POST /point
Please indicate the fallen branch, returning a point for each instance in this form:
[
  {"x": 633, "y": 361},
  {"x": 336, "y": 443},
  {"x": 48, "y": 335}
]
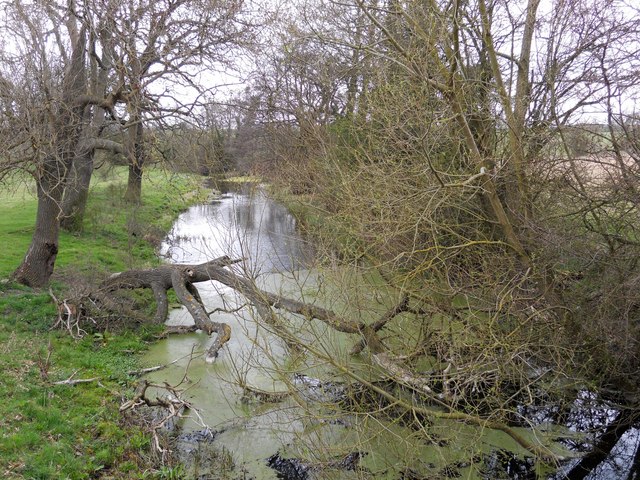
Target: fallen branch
[
  {"x": 181, "y": 278},
  {"x": 70, "y": 381},
  {"x": 402, "y": 375},
  {"x": 402, "y": 306},
  {"x": 143, "y": 371},
  {"x": 69, "y": 316},
  {"x": 450, "y": 413},
  {"x": 172, "y": 402}
]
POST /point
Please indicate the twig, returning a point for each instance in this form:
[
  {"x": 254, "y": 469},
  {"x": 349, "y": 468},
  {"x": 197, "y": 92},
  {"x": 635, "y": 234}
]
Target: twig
[
  {"x": 70, "y": 381},
  {"x": 159, "y": 367},
  {"x": 142, "y": 371},
  {"x": 224, "y": 310},
  {"x": 44, "y": 364},
  {"x": 69, "y": 316}
]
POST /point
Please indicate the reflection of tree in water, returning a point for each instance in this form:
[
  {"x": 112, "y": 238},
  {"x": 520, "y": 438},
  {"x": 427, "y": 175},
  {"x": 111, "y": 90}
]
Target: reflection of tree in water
[
  {"x": 611, "y": 443},
  {"x": 614, "y": 455},
  {"x": 242, "y": 214},
  {"x": 265, "y": 231},
  {"x": 605, "y": 439}
]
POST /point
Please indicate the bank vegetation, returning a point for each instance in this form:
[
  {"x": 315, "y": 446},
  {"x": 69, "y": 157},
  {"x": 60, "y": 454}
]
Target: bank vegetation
[{"x": 478, "y": 162}]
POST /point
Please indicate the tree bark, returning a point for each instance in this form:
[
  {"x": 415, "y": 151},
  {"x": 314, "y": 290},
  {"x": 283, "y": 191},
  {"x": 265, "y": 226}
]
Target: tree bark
[
  {"x": 38, "y": 263},
  {"x": 77, "y": 191},
  {"x": 51, "y": 178},
  {"x": 133, "y": 194},
  {"x": 181, "y": 278}
]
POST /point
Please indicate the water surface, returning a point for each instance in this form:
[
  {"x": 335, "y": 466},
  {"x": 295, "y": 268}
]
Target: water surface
[{"x": 248, "y": 225}]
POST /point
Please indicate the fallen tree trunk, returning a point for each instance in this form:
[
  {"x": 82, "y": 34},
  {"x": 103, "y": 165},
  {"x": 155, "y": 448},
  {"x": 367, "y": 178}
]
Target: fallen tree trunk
[{"x": 182, "y": 278}]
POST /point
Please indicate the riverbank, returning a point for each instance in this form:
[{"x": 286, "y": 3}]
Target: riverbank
[
  {"x": 488, "y": 365},
  {"x": 57, "y": 430}
]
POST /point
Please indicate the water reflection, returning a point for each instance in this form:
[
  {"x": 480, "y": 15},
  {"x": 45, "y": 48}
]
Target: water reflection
[{"x": 245, "y": 224}]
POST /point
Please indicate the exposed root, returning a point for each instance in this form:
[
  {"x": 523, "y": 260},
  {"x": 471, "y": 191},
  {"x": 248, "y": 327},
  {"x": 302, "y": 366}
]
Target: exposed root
[{"x": 69, "y": 316}]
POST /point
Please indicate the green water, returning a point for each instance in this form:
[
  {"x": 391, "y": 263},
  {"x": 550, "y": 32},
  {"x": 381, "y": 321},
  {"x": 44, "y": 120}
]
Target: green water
[
  {"x": 306, "y": 424},
  {"x": 252, "y": 431}
]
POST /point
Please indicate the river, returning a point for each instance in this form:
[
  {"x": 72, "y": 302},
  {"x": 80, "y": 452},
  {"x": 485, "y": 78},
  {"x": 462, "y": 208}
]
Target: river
[{"x": 236, "y": 435}]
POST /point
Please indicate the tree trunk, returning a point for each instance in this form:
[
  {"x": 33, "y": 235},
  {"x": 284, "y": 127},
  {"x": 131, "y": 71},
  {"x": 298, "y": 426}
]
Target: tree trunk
[
  {"x": 136, "y": 161},
  {"x": 182, "y": 277},
  {"x": 77, "y": 191},
  {"x": 38, "y": 264},
  {"x": 133, "y": 194}
]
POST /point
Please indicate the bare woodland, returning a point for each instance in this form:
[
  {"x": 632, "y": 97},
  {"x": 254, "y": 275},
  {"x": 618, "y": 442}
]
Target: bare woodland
[
  {"x": 79, "y": 78},
  {"x": 483, "y": 158}
]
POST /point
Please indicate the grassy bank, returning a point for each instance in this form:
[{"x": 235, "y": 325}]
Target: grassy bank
[{"x": 75, "y": 431}]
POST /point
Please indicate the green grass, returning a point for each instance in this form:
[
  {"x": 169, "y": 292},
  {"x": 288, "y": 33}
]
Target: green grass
[
  {"x": 50, "y": 431},
  {"x": 243, "y": 179},
  {"x": 115, "y": 236},
  {"x": 18, "y": 209}
]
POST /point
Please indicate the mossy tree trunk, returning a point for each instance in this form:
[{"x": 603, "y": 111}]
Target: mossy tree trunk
[{"x": 77, "y": 191}]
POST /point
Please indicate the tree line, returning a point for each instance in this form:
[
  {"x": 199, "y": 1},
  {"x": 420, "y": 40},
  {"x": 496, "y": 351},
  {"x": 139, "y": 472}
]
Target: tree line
[{"x": 482, "y": 156}]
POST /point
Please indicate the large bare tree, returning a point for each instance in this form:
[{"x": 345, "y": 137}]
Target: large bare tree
[
  {"x": 44, "y": 77},
  {"x": 77, "y": 70},
  {"x": 161, "y": 50}
]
